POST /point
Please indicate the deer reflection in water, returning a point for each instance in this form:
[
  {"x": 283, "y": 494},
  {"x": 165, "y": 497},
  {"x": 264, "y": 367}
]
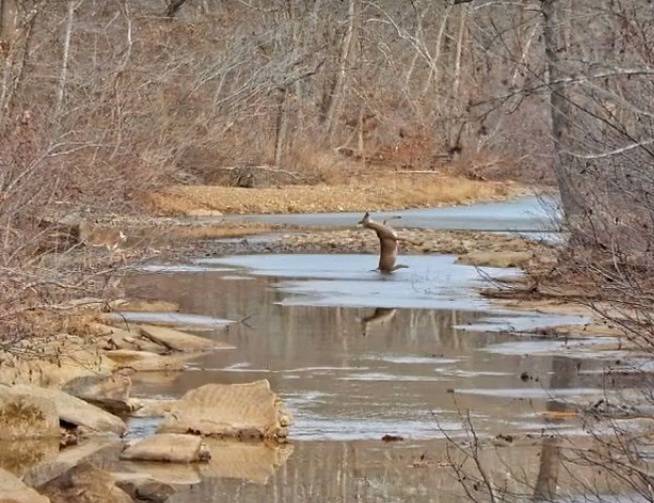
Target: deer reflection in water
[{"x": 380, "y": 316}]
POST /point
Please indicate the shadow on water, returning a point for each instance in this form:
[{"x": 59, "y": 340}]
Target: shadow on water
[{"x": 352, "y": 370}]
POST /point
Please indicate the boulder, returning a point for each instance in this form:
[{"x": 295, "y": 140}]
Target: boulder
[
  {"x": 169, "y": 448},
  {"x": 176, "y": 340},
  {"x": 27, "y": 415},
  {"x": 110, "y": 393},
  {"x": 68, "y": 458},
  {"x": 74, "y": 410},
  {"x": 13, "y": 490},
  {"x": 85, "y": 484},
  {"x": 230, "y": 410}
]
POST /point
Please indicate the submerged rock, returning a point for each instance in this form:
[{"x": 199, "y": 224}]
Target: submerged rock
[
  {"x": 168, "y": 447},
  {"x": 27, "y": 415},
  {"x": 176, "y": 340},
  {"x": 85, "y": 484},
  {"x": 110, "y": 393},
  {"x": 230, "y": 410},
  {"x": 13, "y": 490},
  {"x": 143, "y": 487},
  {"x": 174, "y": 474},
  {"x": 74, "y": 410}
]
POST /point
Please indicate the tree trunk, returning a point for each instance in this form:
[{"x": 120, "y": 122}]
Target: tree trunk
[
  {"x": 560, "y": 112},
  {"x": 281, "y": 128},
  {"x": 8, "y": 14},
  {"x": 459, "y": 50},
  {"x": 61, "y": 89},
  {"x": 339, "y": 84}
]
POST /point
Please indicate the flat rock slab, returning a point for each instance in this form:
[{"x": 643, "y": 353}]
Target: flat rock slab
[
  {"x": 145, "y": 361},
  {"x": 13, "y": 490},
  {"x": 76, "y": 411},
  {"x": 249, "y": 410},
  {"x": 177, "y": 340},
  {"x": 118, "y": 338},
  {"x": 27, "y": 415},
  {"x": 169, "y": 448}
]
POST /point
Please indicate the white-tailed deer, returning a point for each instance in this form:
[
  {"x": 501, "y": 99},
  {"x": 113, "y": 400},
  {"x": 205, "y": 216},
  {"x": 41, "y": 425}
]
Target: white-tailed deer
[
  {"x": 92, "y": 235},
  {"x": 388, "y": 244}
]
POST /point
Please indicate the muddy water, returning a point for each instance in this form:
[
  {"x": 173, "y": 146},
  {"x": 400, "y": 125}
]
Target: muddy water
[{"x": 356, "y": 356}]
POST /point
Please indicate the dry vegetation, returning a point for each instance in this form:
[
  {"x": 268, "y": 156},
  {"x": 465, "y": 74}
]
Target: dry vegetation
[
  {"x": 368, "y": 193},
  {"x": 103, "y": 103}
]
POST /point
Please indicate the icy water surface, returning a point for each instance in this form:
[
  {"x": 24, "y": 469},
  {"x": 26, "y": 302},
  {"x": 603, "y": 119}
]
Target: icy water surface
[
  {"x": 356, "y": 356},
  {"x": 528, "y": 214}
]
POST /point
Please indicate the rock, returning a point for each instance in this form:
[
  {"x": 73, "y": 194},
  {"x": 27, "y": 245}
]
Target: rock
[
  {"x": 151, "y": 407},
  {"x": 118, "y": 338},
  {"x": 144, "y": 488},
  {"x": 110, "y": 393},
  {"x": 13, "y": 490},
  {"x": 230, "y": 410},
  {"x": 85, "y": 484},
  {"x": 168, "y": 447},
  {"x": 76, "y": 411},
  {"x": 147, "y": 361},
  {"x": 55, "y": 363},
  {"x": 44, "y": 472},
  {"x": 176, "y": 340},
  {"x": 27, "y": 415}
]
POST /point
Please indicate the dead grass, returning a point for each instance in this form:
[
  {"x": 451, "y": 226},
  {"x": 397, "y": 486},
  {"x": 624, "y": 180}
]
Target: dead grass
[{"x": 361, "y": 193}]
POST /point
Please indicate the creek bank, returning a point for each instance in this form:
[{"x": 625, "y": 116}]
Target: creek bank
[{"x": 77, "y": 407}]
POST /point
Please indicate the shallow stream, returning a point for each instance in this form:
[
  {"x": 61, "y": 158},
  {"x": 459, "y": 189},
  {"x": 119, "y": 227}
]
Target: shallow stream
[{"x": 357, "y": 356}]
